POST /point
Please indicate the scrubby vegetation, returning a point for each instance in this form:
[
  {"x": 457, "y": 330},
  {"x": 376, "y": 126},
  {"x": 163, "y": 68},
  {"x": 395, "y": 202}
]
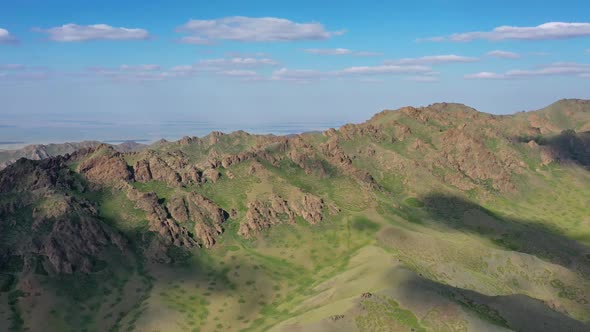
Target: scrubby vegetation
[{"x": 422, "y": 219}]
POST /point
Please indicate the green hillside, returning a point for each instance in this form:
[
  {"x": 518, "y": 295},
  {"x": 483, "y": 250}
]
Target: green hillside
[{"x": 438, "y": 218}]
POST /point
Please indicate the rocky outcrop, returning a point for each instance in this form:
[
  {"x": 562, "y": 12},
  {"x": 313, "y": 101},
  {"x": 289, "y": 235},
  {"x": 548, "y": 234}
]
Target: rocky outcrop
[
  {"x": 155, "y": 168},
  {"x": 263, "y": 214},
  {"x": 211, "y": 175},
  {"x": 26, "y": 176},
  {"x": 367, "y": 130},
  {"x": 68, "y": 232},
  {"x": 186, "y": 140},
  {"x": 260, "y": 215},
  {"x": 172, "y": 168},
  {"x": 305, "y": 155},
  {"x": 75, "y": 245},
  {"x": 467, "y": 154},
  {"x": 168, "y": 229},
  {"x": 311, "y": 208},
  {"x": 207, "y": 216},
  {"x": 333, "y": 151},
  {"x": 142, "y": 171},
  {"x": 42, "y": 151},
  {"x": 63, "y": 228},
  {"x": 105, "y": 166},
  {"x": 192, "y": 175}
]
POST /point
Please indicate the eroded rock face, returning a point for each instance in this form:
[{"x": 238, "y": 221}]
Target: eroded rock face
[
  {"x": 192, "y": 175},
  {"x": 30, "y": 176},
  {"x": 156, "y": 169},
  {"x": 260, "y": 216},
  {"x": 172, "y": 168},
  {"x": 211, "y": 174},
  {"x": 467, "y": 154},
  {"x": 275, "y": 210},
  {"x": 105, "y": 167},
  {"x": 336, "y": 156},
  {"x": 177, "y": 208},
  {"x": 207, "y": 216},
  {"x": 332, "y": 149},
  {"x": 65, "y": 229},
  {"x": 142, "y": 171},
  {"x": 72, "y": 246},
  {"x": 448, "y": 143},
  {"x": 170, "y": 231},
  {"x": 367, "y": 130},
  {"x": 41, "y": 151}
]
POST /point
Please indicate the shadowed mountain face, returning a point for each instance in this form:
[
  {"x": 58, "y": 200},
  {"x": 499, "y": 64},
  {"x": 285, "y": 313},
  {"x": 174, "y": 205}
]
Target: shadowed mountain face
[
  {"x": 41, "y": 151},
  {"x": 437, "y": 218},
  {"x": 525, "y": 236},
  {"x": 567, "y": 146}
]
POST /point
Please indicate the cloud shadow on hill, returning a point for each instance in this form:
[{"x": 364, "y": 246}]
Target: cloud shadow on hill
[
  {"x": 568, "y": 146},
  {"x": 514, "y": 234},
  {"x": 517, "y": 312}
]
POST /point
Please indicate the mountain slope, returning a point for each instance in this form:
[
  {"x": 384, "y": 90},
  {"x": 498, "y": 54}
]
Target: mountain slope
[
  {"x": 42, "y": 151},
  {"x": 435, "y": 218}
]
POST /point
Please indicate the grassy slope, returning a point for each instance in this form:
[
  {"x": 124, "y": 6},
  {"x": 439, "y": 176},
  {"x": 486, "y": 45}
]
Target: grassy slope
[
  {"x": 459, "y": 266},
  {"x": 301, "y": 275}
]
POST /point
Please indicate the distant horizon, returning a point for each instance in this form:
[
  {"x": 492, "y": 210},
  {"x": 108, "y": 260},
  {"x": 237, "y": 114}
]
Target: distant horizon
[
  {"x": 172, "y": 134},
  {"x": 177, "y": 129}
]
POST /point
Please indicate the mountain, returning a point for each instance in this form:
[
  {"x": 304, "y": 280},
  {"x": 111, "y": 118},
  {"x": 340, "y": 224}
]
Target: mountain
[
  {"x": 437, "y": 218},
  {"x": 42, "y": 151}
]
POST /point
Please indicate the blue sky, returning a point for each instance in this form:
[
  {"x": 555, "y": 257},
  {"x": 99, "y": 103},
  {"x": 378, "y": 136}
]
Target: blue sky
[{"x": 248, "y": 62}]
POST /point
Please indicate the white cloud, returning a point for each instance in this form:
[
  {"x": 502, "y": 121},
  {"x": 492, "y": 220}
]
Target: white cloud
[
  {"x": 328, "y": 51},
  {"x": 25, "y": 75},
  {"x": 6, "y": 37},
  {"x": 252, "y": 29},
  {"x": 239, "y": 72},
  {"x": 135, "y": 73},
  {"x": 232, "y": 67},
  {"x": 149, "y": 67},
  {"x": 225, "y": 64},
  {"x": 12, "y": 66},
  {"x": 236, "y": 62},
  {"x": 183, "y": 68},
  {"x": 384, "y": 69},
  {"x": 340, "y": 51},
  {"x": 433, "y": 60},
  {"x": 423, "y": 79},
  {"x": 306, "y": 75},
  {"x": 21, "y": 72},
  {"x": 559, "y": 68},
  {"x": 555, "y": 69},
  {"x": 298, "y": 75},
  {"x": 247, "y": 55},
  {"x": 371, "y": 80},
  {"x": 248, "y": 75},
  {"x": 546, "y": 31},
  {"x": 77, "y": 33},
  {"x": 503, "y": 54},
  {"x": 431, "y": 39},
  {"x": 484, "y": 75}
]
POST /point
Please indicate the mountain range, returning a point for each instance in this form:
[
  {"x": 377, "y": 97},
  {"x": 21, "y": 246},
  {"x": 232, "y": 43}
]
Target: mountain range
[{"x": 436, "y": 218}]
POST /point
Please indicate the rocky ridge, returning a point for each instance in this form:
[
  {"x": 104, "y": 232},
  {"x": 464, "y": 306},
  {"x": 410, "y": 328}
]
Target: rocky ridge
[{"x": 449, "y": 143}]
